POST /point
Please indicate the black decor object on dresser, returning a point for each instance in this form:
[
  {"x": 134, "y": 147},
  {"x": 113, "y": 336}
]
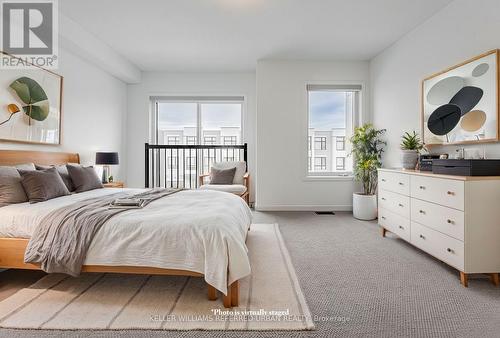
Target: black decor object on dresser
[
  {"x": 425, "y": 161},
  {"x": 466, "y": 167}
]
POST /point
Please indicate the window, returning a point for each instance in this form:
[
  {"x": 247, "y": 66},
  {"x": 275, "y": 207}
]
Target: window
[
  {"x": 340, "y": 142},
  {"x": 310, "y": 142},
  {"x": 191, "y": 162},
  {"x": 309, "y": 163},
  {"x": 191, "y": 140},
  {"x": 229, "y": 140},
  {"x": 320, "y": 143},
  {"x": 210, "y": 140},
  {"x": 171, "y": 162},
  {"x": 340, "y": 163},
  {"x": 198, "y": 118},
  {"x": 320, "y": 163},
  {"x": 332, "y": 113},
  {"x": 173, "y": 140}
]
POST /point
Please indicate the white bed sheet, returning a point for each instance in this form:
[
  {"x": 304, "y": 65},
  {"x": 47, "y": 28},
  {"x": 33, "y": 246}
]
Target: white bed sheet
[{"x": 196, "y": 230}]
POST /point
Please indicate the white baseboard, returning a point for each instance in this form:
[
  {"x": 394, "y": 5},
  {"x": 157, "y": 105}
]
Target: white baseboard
[{"x": 288, "y": 207}]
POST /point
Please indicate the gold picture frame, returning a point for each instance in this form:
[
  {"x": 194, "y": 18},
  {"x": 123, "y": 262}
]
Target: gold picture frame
[{"x": 21, "y": 127}]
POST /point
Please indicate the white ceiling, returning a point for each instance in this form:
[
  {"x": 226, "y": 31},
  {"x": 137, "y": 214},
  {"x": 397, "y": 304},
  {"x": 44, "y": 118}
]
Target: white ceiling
[{"x": 231, "y": 35}]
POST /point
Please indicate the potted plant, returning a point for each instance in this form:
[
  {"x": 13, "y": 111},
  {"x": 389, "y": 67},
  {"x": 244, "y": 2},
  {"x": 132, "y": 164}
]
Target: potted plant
[
  {"x": 367, "y": 149},
  {"x": 410, "y": 147}
]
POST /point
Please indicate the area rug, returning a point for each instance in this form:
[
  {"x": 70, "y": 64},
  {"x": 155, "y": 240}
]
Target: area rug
[{"x": 270, "y": 298}]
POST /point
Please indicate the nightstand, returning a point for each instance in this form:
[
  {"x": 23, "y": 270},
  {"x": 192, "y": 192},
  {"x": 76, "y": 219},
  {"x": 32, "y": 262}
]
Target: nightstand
[{"x": 114, "y": 185}]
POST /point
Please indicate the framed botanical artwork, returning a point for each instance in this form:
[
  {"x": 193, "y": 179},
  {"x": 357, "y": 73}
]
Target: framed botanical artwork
[
  {"x": 460, "y": 104},
  {"x": 30, "y": 105}
]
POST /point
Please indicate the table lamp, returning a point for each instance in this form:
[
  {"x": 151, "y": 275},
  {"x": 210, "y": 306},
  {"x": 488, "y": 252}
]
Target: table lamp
[{"x": 106, "y": 159}]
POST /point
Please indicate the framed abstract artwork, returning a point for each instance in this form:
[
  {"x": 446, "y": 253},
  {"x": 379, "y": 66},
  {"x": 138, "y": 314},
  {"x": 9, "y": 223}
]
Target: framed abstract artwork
[
  {"x": 460, "y": 104},
  {"x": 30, "y": 105}
]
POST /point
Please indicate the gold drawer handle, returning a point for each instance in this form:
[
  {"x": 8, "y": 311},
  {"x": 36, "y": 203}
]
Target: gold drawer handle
[
  {"x": 450, "y": 193},
  {"x": 383, "y": 217},
  {"x": 421, "y": 187},
  {"x": 401, "y": 205},
  {"x": 422, "y": 212},
  {"x": 400, "y": 183},
  {"x": 383, "y": 198},
  {"x": 401, "y": 227},
  {"x": 383, "y": 180},
  {"x": 450, "y": 250},
  {"x": 449, "y": 221},
  {"x": 422, "y": 236}
]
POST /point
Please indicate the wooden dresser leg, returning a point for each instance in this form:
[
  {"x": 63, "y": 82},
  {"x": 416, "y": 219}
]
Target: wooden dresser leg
[
  {"x": 495, "y": 279},
  {"x": 235, "y": 293},
  {"x": 463, "y": 279},
  {"x": 212, "y": 292},
  {"x": 383, "y": 232}
]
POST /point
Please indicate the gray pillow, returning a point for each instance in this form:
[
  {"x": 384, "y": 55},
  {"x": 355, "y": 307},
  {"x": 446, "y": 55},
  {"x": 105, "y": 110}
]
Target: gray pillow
[
  {"x": 11, "y": 189},
  {"x": 84, "y": 178},
  {"x": 63, "y": 171},
  {"x": 43, "y": 185},
  {"x": 222, "y": 176}
]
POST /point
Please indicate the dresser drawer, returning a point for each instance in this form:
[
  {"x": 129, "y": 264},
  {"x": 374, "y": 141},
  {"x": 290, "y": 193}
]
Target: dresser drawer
[
  {"x": 395, "y": 223},
  {"x": 394, "y": 202},
  {"x": 441, "y": 246},
  {"x": 443, "y": 219},
  {"x": 395, "y": 182},
  {"x": 445, "y": 192}
]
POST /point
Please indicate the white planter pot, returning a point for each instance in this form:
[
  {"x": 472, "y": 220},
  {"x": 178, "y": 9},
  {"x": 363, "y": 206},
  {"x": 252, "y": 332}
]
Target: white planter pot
[
  {"x": 409, "y": 159},
  {"x": 364, "y": 207}
]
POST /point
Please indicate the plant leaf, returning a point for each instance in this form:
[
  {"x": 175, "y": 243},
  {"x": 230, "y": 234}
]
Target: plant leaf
[
  {"x": 38, "y": 111},
  {"x": 21, "y": 90},
  {"x": 28, "y": 90}
]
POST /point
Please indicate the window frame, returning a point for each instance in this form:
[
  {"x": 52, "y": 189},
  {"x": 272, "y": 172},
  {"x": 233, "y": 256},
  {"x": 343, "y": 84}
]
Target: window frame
[
  {"x": 212, "y": 142},
  {"x": 337, "y": 143},
  {"x": 356, "y": 119},
  {"x": 198, "y": 100},
  {"x": 322, "y": 143},
  {"x": 337, "y": 163},
  {"x": 322, "y": 163}
]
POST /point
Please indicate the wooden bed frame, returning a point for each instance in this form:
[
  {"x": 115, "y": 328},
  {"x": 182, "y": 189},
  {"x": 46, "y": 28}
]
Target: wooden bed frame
[{"x": 12, "y": 249}]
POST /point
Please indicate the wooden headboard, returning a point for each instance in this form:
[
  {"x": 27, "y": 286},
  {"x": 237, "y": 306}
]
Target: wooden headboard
[{"x": 13, "y": 157}]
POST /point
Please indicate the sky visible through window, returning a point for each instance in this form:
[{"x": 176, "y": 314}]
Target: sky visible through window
[
  {"x": 178, "y": 115},
  {"x": 327, "y": 110}
]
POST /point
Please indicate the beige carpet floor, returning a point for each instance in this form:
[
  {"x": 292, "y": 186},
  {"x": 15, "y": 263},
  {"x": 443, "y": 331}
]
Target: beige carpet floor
[{"x": 270, "y": 299}]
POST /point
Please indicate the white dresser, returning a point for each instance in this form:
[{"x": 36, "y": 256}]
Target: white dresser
[{"x": 453, "y": 218}]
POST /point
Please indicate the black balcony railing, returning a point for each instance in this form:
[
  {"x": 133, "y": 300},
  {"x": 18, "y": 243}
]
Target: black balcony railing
[{"x": 179, "y": 166}]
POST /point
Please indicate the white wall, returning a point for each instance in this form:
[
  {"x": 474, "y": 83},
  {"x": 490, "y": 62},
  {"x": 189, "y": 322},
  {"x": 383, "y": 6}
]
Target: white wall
[
  {"x": 282, "y": 129},
  {"x": 460, "y": 31},
  {"x": 93, "y": 111},
  {"x": 162, "y": 83}
]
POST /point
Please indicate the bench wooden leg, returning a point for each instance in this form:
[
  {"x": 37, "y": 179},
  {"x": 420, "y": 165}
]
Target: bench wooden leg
[
  {"x": 495, "y": 279},
  {"x": 233, "y": 295},
  {"x": 463, "y": 279},
  {"x": 212, "y": 292},
  {"x": 383, "y": 232}
]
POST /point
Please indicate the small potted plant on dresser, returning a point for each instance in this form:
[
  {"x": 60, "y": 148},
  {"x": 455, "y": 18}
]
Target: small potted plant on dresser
[
  {"x": 410, "y": 147},
  {"x": 367, "y": 148}
]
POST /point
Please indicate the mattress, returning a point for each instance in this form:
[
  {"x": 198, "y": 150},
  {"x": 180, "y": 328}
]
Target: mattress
[{"x": 196, "y": 230}]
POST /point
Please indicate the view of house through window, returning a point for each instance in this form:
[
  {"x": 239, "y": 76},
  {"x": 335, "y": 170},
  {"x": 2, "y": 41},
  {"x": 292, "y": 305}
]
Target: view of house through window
[
  {"x": 331, "y": 114},
  {"x": 194, "y": 121}
]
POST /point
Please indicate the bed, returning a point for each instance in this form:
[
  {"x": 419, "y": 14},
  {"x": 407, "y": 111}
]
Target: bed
[{"x": 190, "y": 233}]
